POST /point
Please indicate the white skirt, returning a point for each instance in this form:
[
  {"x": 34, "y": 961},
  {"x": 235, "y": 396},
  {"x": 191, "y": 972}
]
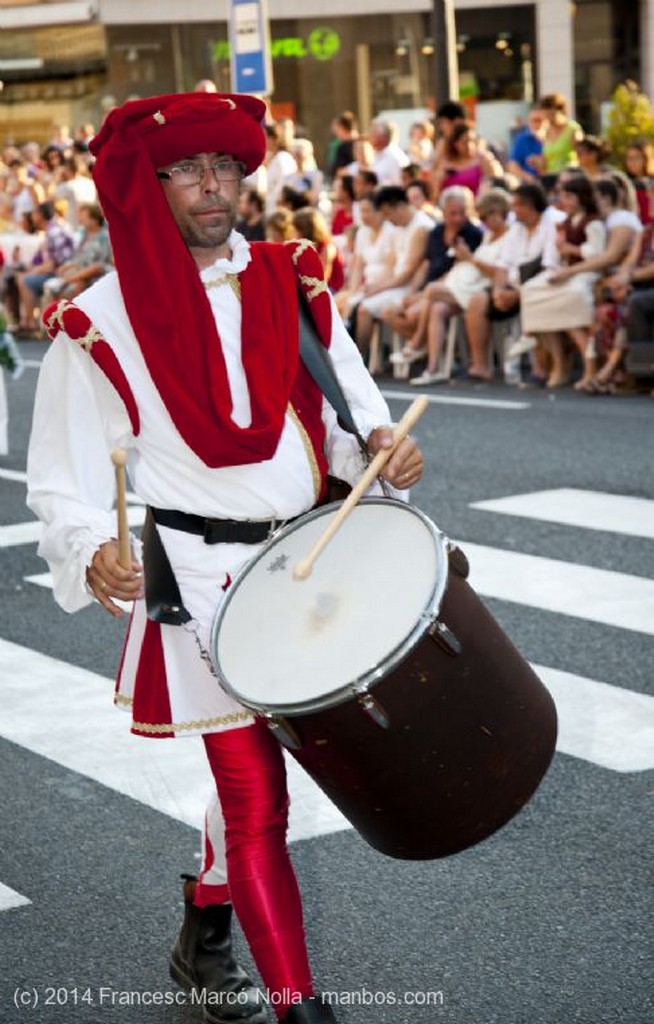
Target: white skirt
[
  {"x": 556, "y": 307},
  {"x": 165, "y": 677}
]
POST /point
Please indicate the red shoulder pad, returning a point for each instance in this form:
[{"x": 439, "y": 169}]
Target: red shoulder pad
[
  {"x": 67, "y": 317},
  {"x": 310, "y": 275}
]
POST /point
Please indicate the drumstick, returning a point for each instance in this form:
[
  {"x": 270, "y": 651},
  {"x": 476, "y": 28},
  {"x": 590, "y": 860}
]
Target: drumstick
[
  {"x": 119, "y": 459},
  {"x": 304, "y": 567}
]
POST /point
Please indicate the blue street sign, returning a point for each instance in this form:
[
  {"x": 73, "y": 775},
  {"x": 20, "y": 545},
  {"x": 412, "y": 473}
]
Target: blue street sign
[{"x": 249, "y": 37}]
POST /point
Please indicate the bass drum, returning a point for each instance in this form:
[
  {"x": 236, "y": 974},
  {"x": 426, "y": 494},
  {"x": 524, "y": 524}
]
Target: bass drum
[{"x": 388, "y": 680}]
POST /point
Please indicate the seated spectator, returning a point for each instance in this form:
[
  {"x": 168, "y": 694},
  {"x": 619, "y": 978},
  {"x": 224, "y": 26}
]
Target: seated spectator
[
  {"x": 279, "y": 226},
  {"x": 375, "y": 253},
  {"x": 624, "y": 319},
  {"x": 639, "y": 166},
  {"x": 623, "y": 229},
  {"x": 548, "y": 308},
  {"x": 343, "y": 210},
  {"x": 388, "y": 158},
  {"x": 528, "y": 247},
  {"x": 474, "y": 268},
  {"x": 419, "y": 195},
  {"x": 75, "y": 186},
  {"x": 592, "y": 152},
  {"x": 448, "y": 115},
  {"x": 410, "y": 238},
  {"x": 528, "y": 144},
  {"x": 57, "y": 248},
  {"x": 280, "y": 164},
  {"x": 345, "y": 130},
  {"x": 291, "y": 199},
  {"x": 25, "y": 192},
  {"x": 251, "y": 220},
  {"x": 310, "y": 223},
  {"x": 421, "y": 144},
  {"x": 91, "y": 259},
  {"x": 307, "y": 179},
  {"x": 465, "y": 162},
  {"x": 456, "y": 234},
  {"x": 410, "y": 174}
]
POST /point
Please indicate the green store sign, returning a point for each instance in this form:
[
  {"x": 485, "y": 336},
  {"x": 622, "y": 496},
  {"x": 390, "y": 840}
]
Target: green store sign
[{"x": 321, "y": 43}]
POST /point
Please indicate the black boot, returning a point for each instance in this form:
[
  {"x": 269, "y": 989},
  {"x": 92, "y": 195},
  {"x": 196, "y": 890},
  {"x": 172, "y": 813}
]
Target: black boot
[
  {"x": 202, "y": 961},
  {"x": 313, "y": 1010}
]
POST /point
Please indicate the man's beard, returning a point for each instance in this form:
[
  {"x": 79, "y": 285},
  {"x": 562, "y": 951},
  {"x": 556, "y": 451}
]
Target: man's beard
[{"x": 213, "y": 235}]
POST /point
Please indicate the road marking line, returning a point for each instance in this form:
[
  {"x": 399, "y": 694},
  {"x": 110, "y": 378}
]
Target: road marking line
[
  {"x": 13, "y": 474},
  {"x": 591, "y": 510},
  {"x": 65, "y": 713},
  {"x": 9, "y": 898},
  {"x": 32, "y": 364},
  {"x": 30, "y": 532},
  {"x": 580, "y": 591},
  {"x": 487, "y": 403},
  {"x": 598, "y": 595}
]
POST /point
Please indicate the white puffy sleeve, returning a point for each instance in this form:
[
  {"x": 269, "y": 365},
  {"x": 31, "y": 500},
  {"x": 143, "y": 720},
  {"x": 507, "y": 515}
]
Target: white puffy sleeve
[
  {"x": 78, "y": 419},
  {"x": 595, "y": 240},
  {"x": 367, "y": 405}
]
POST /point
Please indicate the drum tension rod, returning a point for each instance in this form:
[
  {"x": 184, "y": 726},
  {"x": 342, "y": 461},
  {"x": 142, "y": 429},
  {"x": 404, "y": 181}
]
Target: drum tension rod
[
  {"x": 284, "y": 732},
  {"x": 374, "y": 710},
  {"x": 444, "y": 637}
]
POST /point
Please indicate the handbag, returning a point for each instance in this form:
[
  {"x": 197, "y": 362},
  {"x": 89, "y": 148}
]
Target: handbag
[{"x": 530, "y": 269}]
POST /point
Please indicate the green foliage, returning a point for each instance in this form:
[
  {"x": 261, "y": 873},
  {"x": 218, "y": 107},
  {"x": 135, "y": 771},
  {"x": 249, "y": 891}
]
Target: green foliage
[{"x": 631, "y": 119}]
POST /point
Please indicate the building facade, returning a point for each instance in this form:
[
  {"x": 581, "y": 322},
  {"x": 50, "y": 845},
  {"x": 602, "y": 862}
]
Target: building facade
[{"x": 69, "y": 62}]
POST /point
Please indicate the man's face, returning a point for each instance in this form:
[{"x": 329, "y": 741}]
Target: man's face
[
  {"x": 524, "y": 212},
  {"x": 204, "y": 213},
  {"x": 398, "y": 215}
]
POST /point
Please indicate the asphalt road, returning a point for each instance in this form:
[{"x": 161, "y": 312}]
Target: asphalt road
[{"x": 546, "y": 922}]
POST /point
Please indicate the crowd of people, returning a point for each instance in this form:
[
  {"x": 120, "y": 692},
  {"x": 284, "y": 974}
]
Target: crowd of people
[{"x": 551, "y": 238}]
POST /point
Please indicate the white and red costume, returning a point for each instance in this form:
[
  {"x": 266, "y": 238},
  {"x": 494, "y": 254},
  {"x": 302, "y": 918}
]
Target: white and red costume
[{"x": 197, "y": 374}]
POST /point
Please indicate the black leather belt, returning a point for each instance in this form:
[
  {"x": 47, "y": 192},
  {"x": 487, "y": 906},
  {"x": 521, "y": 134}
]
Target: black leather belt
[{"x": 216, "y": 531}]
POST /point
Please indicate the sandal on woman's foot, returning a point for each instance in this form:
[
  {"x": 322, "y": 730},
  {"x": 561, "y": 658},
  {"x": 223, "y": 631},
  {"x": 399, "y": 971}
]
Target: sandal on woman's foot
[{"x": 408, "y": 356}]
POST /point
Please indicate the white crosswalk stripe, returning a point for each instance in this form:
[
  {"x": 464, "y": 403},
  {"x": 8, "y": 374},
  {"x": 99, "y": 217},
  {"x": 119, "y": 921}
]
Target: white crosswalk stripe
[
  {"x": 570, "y": 506},
  {"x": 9, "y": 898},
  {"x": 607, "y": 725}
]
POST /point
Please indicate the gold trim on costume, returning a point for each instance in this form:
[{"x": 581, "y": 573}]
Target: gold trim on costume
[
  {"x": 156, "y": 729},
  {"x": 159, "y": 117},
  {"x": 199, "y": 725},
  {"x": 308, "y": 447},
  {"x": 230, "y": 279},
  {"x": 299, "y": 246},
  {"x": 316, "y": 284}
]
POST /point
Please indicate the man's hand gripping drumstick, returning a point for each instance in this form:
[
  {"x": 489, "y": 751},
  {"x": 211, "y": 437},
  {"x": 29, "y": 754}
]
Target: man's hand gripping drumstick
[
  {"x": 396, "y": 454},
  {"x": 112, "y": 572}
]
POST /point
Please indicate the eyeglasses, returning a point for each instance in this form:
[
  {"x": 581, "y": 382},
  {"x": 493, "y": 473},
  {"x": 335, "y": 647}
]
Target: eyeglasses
[{"x": 192, "y": 172}]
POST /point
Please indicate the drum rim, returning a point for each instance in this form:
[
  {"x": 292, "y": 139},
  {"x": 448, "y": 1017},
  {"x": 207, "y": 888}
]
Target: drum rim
[{"x": 363, "y": 684}]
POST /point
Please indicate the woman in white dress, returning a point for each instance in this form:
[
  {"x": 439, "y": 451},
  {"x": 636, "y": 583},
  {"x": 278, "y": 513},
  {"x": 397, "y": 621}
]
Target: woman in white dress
[
  {"x": 552, "y": 304},
  {"x": 623, "y": 230},
  {"x": 374, "y": 257}
]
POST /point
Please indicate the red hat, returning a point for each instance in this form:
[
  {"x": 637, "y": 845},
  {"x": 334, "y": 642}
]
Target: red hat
[
  {"x": 171, "y": 127},
  {"x": 160, "y": 284}
]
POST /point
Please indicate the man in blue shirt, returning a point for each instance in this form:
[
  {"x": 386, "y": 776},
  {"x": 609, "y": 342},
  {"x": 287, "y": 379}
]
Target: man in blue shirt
[{"x": 528, "y": 143}]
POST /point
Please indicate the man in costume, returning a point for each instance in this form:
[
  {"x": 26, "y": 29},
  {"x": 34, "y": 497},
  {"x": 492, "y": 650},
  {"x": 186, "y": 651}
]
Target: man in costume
[{"x": 187, "y": 357}]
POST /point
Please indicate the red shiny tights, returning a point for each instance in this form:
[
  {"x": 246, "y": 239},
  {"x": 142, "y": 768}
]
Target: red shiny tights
[{"x": 250, "y": 775}]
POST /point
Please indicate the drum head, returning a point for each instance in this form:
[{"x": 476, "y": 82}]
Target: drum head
[{"x": 280, "y": 645}]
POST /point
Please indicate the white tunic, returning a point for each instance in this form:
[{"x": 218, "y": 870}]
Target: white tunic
[{"x": 79, "y": 418}]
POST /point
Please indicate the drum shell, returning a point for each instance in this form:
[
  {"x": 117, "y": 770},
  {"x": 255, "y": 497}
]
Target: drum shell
[{"x": 470, "y": 736}]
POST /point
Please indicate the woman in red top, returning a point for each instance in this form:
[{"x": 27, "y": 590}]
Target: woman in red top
[{"x": 343, "y": 217}]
